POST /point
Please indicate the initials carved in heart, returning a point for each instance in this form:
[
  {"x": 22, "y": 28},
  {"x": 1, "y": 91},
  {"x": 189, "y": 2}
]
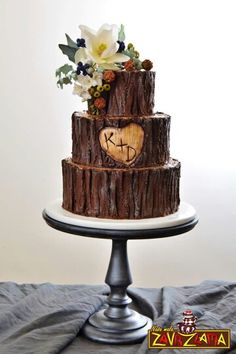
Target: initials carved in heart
[{"x": 122, "y": 144}]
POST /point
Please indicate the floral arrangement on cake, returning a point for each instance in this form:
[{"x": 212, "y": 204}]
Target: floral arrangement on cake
[{"x": 97, "y": 56}]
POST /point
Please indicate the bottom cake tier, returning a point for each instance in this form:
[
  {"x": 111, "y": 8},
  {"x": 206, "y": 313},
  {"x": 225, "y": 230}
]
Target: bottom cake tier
[{"x": 132, "y": 193}]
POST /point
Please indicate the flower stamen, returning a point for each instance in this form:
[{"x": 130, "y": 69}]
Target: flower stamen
[{"x": 101, "y": 48}]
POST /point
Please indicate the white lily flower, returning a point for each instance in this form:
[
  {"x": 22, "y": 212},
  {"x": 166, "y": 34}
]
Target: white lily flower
[
  {"x": 81, "y": 92},
  {"x": 85, "y": 81},
  {"x": 97, "y": 79},
  {"x": 102, "y": 46}
]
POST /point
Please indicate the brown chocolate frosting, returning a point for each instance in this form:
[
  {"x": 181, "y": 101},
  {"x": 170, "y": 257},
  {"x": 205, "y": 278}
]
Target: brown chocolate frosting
[
  {"x": 133, "y": 193},
  {"x": 86, "y": 149},
  {"x": 98, "y": 181},
  {"x": 132, "y": 93}
]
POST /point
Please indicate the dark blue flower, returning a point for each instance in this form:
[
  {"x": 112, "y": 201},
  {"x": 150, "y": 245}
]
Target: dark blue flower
[
  {"x": 121, "y": 46},
  {"x": 82, "y": 68},
  {"x": 80, "y": 42}
]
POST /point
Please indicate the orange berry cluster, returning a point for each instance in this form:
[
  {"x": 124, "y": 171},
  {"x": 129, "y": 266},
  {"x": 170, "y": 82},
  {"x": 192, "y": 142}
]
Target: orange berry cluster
[
  {"x": 99, "y": 93},
  {"x": 109, "y": 76},
  {"x": 100, "y": 103},
  {"x": 130, "y": 65}
]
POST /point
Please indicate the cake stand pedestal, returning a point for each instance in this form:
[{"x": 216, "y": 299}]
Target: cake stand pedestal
[{"x": 117, "y": 323}]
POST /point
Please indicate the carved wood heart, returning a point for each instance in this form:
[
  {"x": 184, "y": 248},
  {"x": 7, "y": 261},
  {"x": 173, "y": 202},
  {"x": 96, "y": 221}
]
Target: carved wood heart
[{"x": 122, "y": 144}]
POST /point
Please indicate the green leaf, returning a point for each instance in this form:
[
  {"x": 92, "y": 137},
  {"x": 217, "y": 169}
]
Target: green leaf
[
  {"x": 100, "y": 69},
  {"x": 66, "y": 80},
  {"x": 69, "y": 51},
  {"x": 120, "y": 65},
  {"x": 121, "y": 35},
  {"x": 66, "y": 75},
  {"x": 65, "y": 69},
  {"x": 70, "y": 42},
  {"x": 138, "y": 64},
  {"x": 60, "y": 83},
  {"x": 74, "y": 75},
  {"x": 127, "y": 52}
]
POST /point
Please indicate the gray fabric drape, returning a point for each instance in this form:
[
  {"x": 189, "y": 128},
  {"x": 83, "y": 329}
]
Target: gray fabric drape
[{"x": 47, "y": 318}]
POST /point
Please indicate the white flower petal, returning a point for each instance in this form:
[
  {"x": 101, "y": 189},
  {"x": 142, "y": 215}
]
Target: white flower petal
[
  {"x": 77, "y": 89},
  {"x": 102, "y": 45},
  {"x": 81, "y": 55},
  {"x": 112, "y": 29},
  {"x": 105, "y": 37},
  {"x": 85, "y": 81},
  {"x": 118, "y": 58},
  {"x": 81, "y": 92},
  {"x": 85, "y": 95},
  {"x": 110, "y": 66},
  {"x": 97, "y": 79},
  {"x": 105, "y": 27},
  {"x": 90, "y": 37},
  {"x": 110, "y": 50},
  {"x": 95, "y": 57},
  {"x": 87, "y": 30},
  {"x": 81, "y": 79}
]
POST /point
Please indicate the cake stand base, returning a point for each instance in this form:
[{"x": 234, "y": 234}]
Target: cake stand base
[
  {"x": 118, "y": 323},
  {"x": 129, "y": 330}
]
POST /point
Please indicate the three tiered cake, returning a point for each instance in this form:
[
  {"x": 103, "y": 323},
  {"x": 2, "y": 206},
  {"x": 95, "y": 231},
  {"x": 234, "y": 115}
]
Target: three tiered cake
[{"x": 120, "y": 166}]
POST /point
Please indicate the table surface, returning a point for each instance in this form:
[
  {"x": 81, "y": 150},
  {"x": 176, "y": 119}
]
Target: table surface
[{"x": 180, "y": 222}]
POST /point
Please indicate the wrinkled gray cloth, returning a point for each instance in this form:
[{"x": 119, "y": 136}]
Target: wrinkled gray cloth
[{"x": 47, "y": 318}]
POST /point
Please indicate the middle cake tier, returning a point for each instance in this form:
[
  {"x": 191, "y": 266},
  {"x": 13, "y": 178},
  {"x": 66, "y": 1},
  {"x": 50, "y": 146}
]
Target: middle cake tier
[{"x": 105, "y": 141}]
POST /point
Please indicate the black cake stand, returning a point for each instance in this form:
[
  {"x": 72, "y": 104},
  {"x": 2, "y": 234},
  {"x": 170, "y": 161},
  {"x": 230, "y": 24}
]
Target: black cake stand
[{"x": 117, "y": 323}]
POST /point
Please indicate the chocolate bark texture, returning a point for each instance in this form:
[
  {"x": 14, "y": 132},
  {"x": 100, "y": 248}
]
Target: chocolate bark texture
[
  {"x": 133, "y": 193},
  {"x": 121, "y": 166},
  {"x": 87, "y": 149},
  {"x": 132, "y": 93}
]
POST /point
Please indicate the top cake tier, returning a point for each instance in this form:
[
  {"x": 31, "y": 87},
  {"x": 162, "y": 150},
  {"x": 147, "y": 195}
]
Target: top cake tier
[{"x": 131, "y": 94}]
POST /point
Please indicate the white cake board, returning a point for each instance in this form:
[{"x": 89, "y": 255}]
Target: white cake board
[{"x": 185, "y": 214}]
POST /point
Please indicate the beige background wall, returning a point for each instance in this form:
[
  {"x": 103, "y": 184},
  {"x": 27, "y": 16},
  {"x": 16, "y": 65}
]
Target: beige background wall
[{"x": 192, "y": 44}]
